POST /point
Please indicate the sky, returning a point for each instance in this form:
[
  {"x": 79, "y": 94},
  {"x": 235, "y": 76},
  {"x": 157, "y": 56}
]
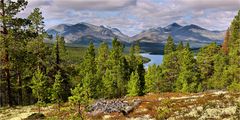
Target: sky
[{"x": 134, "y": 16}]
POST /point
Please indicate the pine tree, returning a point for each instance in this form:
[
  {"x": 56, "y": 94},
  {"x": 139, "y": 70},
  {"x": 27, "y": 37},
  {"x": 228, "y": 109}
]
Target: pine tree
[
  {"x": 109, "y": 84},
  {"x": 187, "y": 80},
  {"x": 180, "y": 46},
  {"x": 57, "y": 91},
  {"x": 36, "y": 18},
  {"x": 80, "y": 97},
  {"x": 217, "y": 80},
  {"x": 8, "y": 11},
  {"x": 226, "y": 42},
  {"x": 154, "y": 80},
  {"x": 101, "y": 63},
  {"x": 88, "y": 70},
  {"x": 116, "y": 71},
  {"x": 39, "y": 88},
  {"x": 205, "y": 61},
  {"x": 134, "y": 85},
  {"x": 141, "y": 74},
  {"x": 170, "y": 46}
]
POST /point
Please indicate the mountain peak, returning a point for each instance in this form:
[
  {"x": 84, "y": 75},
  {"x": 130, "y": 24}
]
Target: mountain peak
[
  {"x": 175, "y": 25},
  {"x": 172, "y": 27},
  {"x": 193, "y": 26}
]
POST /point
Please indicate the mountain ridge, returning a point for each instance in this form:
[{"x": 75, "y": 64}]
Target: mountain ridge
[{"x": 83, "y": 33}]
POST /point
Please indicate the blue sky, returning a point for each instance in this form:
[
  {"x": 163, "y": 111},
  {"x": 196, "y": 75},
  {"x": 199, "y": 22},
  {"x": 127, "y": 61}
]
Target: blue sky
[{"x": 133, "y": 16}]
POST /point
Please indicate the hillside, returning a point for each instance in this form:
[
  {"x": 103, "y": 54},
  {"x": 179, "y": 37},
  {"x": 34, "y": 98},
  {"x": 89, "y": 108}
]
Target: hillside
[{"x": 213, "y": 105}]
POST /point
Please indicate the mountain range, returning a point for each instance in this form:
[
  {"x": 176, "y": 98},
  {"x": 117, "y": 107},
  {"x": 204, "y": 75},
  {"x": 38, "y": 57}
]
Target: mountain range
[{"x": 83, "y": 33}]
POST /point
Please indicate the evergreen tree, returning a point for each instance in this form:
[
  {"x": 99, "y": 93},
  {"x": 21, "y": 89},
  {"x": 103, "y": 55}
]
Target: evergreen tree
[
  {"x": 109, "y": 84},
  {"x": 180, "y": 46},
  {"x": 169, "y": 46},
  {"x": 217, "y": 80},
  {"x": 57, "y": 91},
  {"x": 134, "y": 85},
  {"x": 36, "y": 18},
  {"x": 187, "y": 80},
  {"x": 88, "y": 70},
  {"x": 226, "y": 42},
  {"x": 9, "y": 9},
  {"x": 39, "y": 87},
  {"x": 101, "y": 63},
  {"x": 154, "y": 80},
  {"x": 117, "y": 69},
  {"x": 205, "y": 61},
  {"x": 79, "y": 97},
  {"x": 141, "y": 73}
]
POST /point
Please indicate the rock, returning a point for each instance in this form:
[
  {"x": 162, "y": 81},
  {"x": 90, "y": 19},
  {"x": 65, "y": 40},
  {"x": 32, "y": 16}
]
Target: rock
[
  {"x": 35, "y": 116},
  {"x": 110, "y": 106}
]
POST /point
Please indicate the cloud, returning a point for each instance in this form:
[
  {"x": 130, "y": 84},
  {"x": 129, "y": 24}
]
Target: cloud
[
  {"x": 133, "y": 16},
  {"x": 94, "y": 4}
]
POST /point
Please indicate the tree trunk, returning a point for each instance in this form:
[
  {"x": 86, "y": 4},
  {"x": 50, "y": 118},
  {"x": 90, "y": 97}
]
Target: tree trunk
[{"x": 20, "y": 99}]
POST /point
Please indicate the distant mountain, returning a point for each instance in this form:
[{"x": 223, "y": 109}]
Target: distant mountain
[
  {"x": 151, "y": 40},
  {"x": 189, "y": 33},
  {"x": 82, "y": 33}
]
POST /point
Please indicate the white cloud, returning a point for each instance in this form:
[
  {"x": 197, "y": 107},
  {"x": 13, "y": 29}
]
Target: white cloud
[
  {"x": 133, "y": 16},
  {"x": 94, "y": 4}
]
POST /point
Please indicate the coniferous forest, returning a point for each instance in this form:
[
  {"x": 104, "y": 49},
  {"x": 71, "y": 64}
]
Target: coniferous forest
[{"x": 33, "y": 72}]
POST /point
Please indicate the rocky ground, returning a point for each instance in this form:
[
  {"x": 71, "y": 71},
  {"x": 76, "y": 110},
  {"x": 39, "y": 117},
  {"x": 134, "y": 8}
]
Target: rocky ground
[{"x": 212, "y": 105}]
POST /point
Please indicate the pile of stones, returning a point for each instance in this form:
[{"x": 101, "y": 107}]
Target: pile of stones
[{"x": 110, "y": 106}]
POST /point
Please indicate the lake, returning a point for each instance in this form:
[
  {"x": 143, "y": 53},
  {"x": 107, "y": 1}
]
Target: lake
[{"x": 155, "y": 59}]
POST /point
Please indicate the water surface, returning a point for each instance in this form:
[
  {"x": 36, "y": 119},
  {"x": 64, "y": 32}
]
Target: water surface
[{"x": 155, "y": 59}]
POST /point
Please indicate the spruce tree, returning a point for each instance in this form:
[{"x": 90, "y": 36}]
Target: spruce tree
[
  {"x": 180, "y": 46},
  {"x": 169, "y": 46},
  {"x": 205, "y": 61},
  {"x": 80, "y": 97},
  {"x": 154, "y": 80},
  {"x": 217, "y": 80},
  {"x": 57, "y": 91},
  {"x": 88, "y": 69},
  {"x": 133, "y": 88},
  {"x": 187, "y": 80},
  {"x": 102, "y": 65},
  {"x": 39, "y": 88}
]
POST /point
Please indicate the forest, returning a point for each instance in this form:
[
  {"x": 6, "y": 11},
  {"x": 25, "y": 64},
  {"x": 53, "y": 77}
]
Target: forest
[{"x": 35, "y": 72}]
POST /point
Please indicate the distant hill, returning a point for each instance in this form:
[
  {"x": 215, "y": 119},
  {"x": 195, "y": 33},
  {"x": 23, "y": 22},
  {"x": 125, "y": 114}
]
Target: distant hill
[
  {"x": 189, "y": 33},
  {"x": 82, "y": 33},
  {"x": 151, "y": 40}
]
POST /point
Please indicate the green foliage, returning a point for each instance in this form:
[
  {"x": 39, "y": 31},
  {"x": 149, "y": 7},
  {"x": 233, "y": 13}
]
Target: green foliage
[
  {"x": 170, "y": 70},
  {"x": 36, "y": 18},
  {"x": 170, "y": 46},
  {"x": 187, "y": 80},
  {"x": 134, "y": 85},
  {"x": 80, "y": 95},
  {"x": 180, "y": 46},
  {"x": 57, "y": 90},
  {"x": 205, "y": 61},
  {"x": 234, "y": 87},
  {"x": 217, "y": 80},
  {"x": 39, "y": 87},
  {"x": 154, "y": 80}
]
